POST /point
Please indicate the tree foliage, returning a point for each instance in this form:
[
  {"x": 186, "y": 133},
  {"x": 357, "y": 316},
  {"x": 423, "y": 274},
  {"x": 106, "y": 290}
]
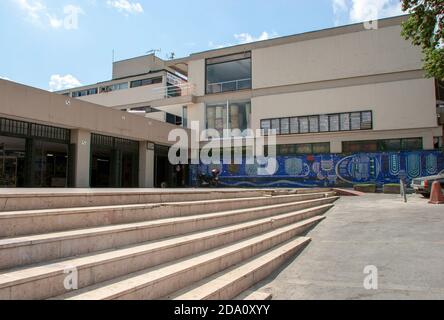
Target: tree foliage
[{"x": 424, "y": 28}]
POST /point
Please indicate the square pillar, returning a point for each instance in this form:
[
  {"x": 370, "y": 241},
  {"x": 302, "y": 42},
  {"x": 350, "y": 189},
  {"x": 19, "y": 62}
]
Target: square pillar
[
  {"x": 81, "y": 140},
  {"x": 427, "y": 141},
  {"x": 146, "y": 164},
  {"x": 336, "y": 146}
]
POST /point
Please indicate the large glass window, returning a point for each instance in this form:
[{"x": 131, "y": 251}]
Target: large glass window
[
  {"x": 240, "y": 114},
  {"x": 229, "y": 115},
  {"x": 387, "y": 145},
  {"x": 33, "y": 155},
  {"x": 229, "y": 73},
  {"x": 217, "y": 117}
]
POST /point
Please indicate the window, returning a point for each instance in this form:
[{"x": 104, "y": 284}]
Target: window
[
  {"x": 355, "y": 121},
  {"x": 229, "y": 73},
  {"x": 229, "y": 115},
  {"x": 319, "y": 148},
  {"x": 437, "y": 142},
  {"x": 239, "y": 115},
  {"x": 217, "y": 117},
  {"x": 303, "y": 125},
  {"x": 345, "y": 121},
  {"x": 334, "y": 122},
  {"x": 349, "y": 121},
  {"x": 83, "y": 93},
  {"x": 305, "y": 148},
  {"x": 366, "y": 120},
  {"x": 276, "y": 125},
  {"x": 145, "y": 82},
  {"x": 265, "y": 126},
  {"x": 173, "y": 119},
  {"x": 294, "y": 125},
  {"x": 323, "y": 123},
  {"x": 114, "y": 87},
  {"x": 185, "y": 116},
  {"x": 359, "y": 146},
  {"x": 388, "y": 145},
  {"x": 285, "y": 126},
  {"x": 411, "y": 144},
  {"x": 314, "y": 124}
]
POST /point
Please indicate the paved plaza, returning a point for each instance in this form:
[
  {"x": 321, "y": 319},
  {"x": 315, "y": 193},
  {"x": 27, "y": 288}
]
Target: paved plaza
[{"x": 404, "y": 241}]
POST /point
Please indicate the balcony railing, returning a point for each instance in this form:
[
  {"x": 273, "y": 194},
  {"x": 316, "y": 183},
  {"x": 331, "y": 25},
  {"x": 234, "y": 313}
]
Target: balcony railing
[
  {"x": 227, "y": 86},
  {"x": 180, "y": 90}
]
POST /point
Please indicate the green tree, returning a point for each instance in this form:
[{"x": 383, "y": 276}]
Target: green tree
[{"x": 425, "y": 28}]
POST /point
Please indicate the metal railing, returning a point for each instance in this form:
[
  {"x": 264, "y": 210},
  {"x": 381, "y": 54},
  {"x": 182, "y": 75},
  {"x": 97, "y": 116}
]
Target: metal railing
[
  {"x": 180, "y": 90},
  {"x": 226, "y": 86}
]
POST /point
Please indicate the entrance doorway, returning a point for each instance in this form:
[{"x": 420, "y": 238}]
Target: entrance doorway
[
  {"x": 167, "y": 175},
  {"x": 114, "y": 162}
]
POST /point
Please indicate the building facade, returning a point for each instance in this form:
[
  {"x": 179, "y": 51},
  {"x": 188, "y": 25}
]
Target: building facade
[
  {"x": 51, "y": 140},
  {"x": 334, "y": 93},
  {"x": 329, "y": 95}
]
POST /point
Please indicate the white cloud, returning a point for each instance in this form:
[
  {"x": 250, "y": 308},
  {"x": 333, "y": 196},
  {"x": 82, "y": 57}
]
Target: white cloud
[
  {"x": 247, "y": 38},
  {"x": 38, "y": 13},
  {"x": 58, "y": 82},
  {"x": 242, "y": 38},
  {"x": 126, "y": 6},
  {"x": 365, "y": 10},
  {"x": 5, "y": 78},
  {"x": 32, "y": 8}
]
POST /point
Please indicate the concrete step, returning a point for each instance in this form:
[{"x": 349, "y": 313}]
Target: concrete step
[
  {"x": 21, "y": 223},
  {"x": 228, "y": 284},
  {"x": 163, "y": 280},
  {"x": 15, "y": 252},
  {"x": 34, "y": 199},
  {"x": 254, "y": 296},
  {"x": 48, "y": 278}
]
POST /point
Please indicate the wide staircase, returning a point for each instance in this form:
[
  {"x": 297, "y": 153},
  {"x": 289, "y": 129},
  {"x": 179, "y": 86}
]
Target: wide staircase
[{"x": 191, "y": 244}]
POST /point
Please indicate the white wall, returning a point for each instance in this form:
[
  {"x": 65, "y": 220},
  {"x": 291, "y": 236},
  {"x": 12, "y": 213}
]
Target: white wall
[
  {"x": 349, "y": 55},
  {"x": 396, "y": 105}
]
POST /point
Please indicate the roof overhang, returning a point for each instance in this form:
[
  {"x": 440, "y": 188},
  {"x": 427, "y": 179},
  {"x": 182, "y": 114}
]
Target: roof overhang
[{"x": 179, "y": 65}]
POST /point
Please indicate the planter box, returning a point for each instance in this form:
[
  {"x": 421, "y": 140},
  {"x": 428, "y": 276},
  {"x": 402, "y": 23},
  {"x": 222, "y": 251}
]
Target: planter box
[
  {"x": 392, "y": 188},
  {"x": 367, "y": 188}
]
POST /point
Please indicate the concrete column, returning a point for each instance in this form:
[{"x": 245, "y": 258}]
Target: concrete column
[
  {"x": 82, "y": 157},
  {"x": 336, "y": 146},
  {"x": 146, "y": 165},
  {"x": 427, "y": 142}
]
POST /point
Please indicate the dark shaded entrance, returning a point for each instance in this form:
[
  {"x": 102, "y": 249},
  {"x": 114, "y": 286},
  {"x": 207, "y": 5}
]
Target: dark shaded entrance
[
  {"x": 167, "y": 175},
  {"x": 114, "y": 162}
]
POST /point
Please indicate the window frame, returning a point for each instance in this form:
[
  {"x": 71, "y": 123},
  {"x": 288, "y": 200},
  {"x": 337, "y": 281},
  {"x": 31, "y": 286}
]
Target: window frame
[
  {"x": 247, "y": 56},
  {"x": 330, "y": 116}
]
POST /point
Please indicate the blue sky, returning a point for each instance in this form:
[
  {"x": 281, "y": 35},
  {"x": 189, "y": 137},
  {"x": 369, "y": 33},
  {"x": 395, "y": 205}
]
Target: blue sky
[{"x": 43, "y": 46}]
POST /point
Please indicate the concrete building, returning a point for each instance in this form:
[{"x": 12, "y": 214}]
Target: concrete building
[
  {"x": 340, "y": 91},
  {"x": 50, "y": 140},
  {"x": 139, "y": 86}
]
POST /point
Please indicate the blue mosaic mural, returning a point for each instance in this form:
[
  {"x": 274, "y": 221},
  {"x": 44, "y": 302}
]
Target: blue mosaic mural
[{"x": 331, "y": 170}]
